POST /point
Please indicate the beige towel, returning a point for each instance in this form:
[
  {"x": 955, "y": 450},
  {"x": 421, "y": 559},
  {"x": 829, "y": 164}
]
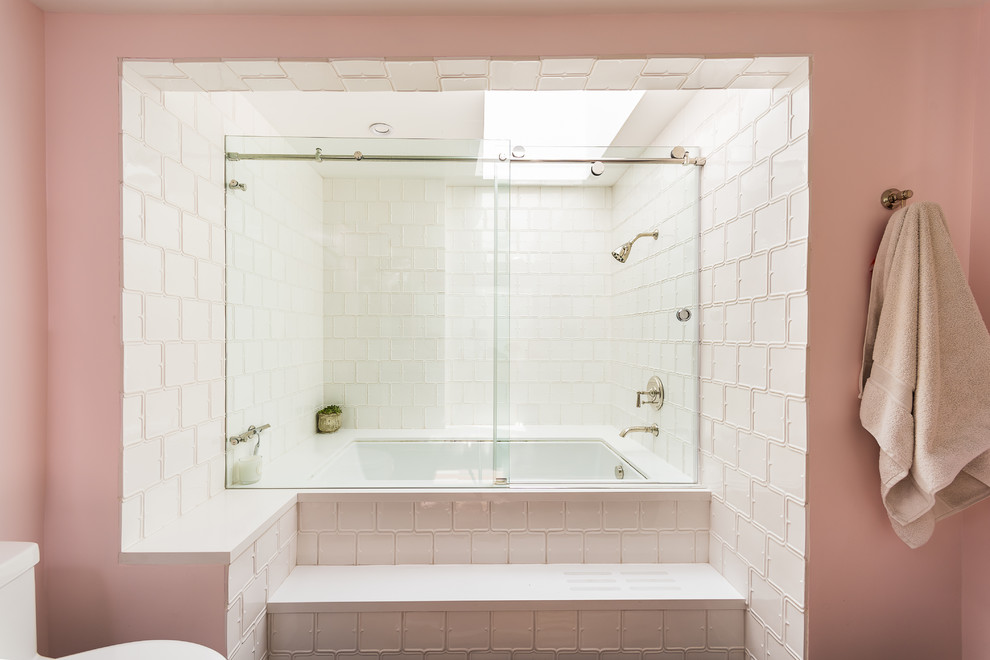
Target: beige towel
[{"x": 925, "y": 384}]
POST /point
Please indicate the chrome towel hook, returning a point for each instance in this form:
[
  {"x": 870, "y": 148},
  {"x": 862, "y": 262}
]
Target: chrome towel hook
[{"x": 891, "y": 197}]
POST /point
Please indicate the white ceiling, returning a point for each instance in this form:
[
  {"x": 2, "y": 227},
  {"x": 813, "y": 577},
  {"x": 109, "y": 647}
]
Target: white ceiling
[
  {"x": 451, "y": 115},
  {"x": 476, "y": 7}
]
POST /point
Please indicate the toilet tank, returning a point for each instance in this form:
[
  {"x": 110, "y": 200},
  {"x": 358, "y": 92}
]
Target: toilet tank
[{"x": 18, "y": 630}]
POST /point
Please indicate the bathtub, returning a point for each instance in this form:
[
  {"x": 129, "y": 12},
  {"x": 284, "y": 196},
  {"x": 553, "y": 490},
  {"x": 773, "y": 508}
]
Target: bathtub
[
  {"x": 461, "y": 457},
  {"x": 381, "y": 461}
]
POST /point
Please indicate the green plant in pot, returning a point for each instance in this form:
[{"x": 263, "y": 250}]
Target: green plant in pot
[{"x": 328, "y": 419}]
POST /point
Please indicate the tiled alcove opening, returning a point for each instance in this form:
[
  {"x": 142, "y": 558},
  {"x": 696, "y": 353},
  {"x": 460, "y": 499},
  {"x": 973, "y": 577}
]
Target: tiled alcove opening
[{"x": 753, "y": 293}]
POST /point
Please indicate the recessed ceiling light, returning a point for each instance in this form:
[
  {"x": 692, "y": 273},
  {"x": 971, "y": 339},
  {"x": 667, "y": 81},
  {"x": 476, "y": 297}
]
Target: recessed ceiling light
[{"x": 380, "y": 128}]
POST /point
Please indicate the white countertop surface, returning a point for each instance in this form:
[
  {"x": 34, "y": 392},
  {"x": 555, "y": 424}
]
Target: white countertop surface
[
  {"x": 214, "y": 533},
  {"x": 485, "y": 587}
]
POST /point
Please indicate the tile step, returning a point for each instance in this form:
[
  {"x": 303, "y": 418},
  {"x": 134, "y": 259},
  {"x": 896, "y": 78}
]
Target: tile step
[{"x": 495, "y": 587}]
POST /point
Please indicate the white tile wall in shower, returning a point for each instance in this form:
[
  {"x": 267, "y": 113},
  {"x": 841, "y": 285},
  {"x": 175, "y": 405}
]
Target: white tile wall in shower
[
  {"x": 559, "y": 293},
  {"x": 754, "y": 316},
  {"x": 172, "y": 299},
  {"x": 251, "y": 576},
  {"x": 384, "y": 301},
  {"x": 274, "y": 348},
  {"x": 469, "y": 305},
  {"x": 560, "y": 284},
  {"x": 503, "y": 532},
  {"x": 510, "y": 635}
]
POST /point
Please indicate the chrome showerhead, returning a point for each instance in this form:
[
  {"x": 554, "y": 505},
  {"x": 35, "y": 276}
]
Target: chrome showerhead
[{"x": 621, "y": 253}]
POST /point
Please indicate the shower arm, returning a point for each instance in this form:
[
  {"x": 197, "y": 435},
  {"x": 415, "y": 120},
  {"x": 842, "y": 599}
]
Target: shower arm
[{"x": 654, "y": 234}]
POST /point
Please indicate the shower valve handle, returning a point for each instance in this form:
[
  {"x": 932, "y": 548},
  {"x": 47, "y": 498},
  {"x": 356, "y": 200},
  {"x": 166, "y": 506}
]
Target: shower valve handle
[{"x": 654, "y": 390}]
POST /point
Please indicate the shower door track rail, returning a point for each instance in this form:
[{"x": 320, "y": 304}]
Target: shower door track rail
[{"x": 320, "y": 157}]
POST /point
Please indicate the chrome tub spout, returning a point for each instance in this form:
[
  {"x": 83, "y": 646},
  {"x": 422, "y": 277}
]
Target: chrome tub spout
[{"x": 652, "y": 428}]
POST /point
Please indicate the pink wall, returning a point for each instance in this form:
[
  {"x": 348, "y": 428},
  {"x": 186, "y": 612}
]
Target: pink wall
[
  {"x": 976, "y": 582},
  {"x": 93, "y": 601},
  {"x": 22, "y": 273},
  {"x": 979, "y": 272},
  {"x": 891, "y": 105},
  {"x": 976, "y": 521},
  {"x": 23, "y": 278},
  {"x": 869, "y": 595}
]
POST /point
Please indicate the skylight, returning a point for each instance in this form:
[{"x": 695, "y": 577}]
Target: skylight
[{"x": 565, "y": 119}]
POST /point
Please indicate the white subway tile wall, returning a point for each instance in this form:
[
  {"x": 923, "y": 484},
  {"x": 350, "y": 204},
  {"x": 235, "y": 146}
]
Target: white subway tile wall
[
  {"x": 558, "y": 292},
  {"x": 469, "y": 305},
  {"x": 172, "y": 301},
  {"x": 410, "y": 298},
  {"x": 251, "y": 576},
  {"x": 274, "y": 304},
  {"x": 753, "y": 295},
  {"x": 503, "y": 532},
  {"x": 384, "y": 298},
  {"x": 510, "y": 635}
]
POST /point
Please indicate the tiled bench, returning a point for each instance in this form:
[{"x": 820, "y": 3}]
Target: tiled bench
[{"x": 503, "y": 612}]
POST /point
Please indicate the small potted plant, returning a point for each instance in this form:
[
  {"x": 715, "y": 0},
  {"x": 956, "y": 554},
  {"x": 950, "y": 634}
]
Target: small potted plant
[{"x": 328, "y": 419}]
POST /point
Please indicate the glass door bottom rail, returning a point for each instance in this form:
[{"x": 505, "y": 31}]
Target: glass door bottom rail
[{"x": 550, "y": 456}]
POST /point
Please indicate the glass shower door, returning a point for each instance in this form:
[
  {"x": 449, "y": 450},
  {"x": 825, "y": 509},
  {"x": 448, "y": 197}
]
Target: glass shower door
[
  {"x": 596, "y": 318},
  {"x": 368, "y": 274}
]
